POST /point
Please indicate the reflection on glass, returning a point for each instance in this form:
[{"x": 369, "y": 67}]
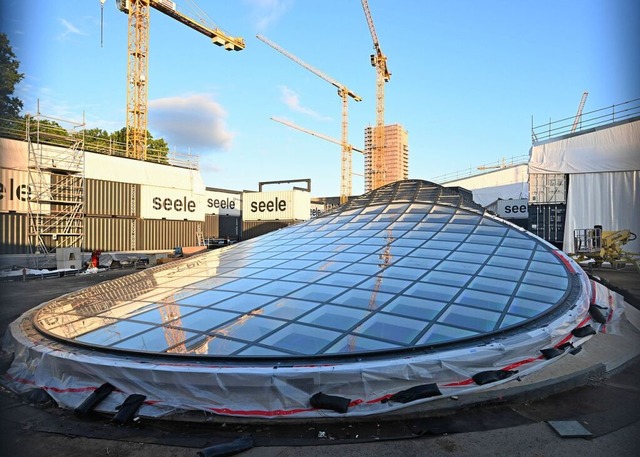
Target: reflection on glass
[{"x": 406, "y": 265}]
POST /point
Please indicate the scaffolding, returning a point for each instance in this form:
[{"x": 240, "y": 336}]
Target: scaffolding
[{"x": 56, "y": 187}]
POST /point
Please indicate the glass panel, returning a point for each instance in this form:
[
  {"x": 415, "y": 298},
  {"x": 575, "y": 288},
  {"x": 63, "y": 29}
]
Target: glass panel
[
  {"x": 528, "y": 308},
  {"x": 470, "y": 318},
  {"x": 402, "y": 273},
  {"x": 446, "y": 278},
  {"x": 249, "y": 327},
  {"x": 213, "y": 346},
  {"x": 471, "y": 257},
  {"x": 441, "y": 333},
  {"x": 335, "y": 317},
  {"x": 500, "y": 272},
  {"x": 287, "y": 308},
  {"x": 245, "y": 302},
  {"x": 317, "y": 292},
  {"x": 259, "y": 351},
  {"x": 343, "y": 279},
  {"x": 514, "y": 252},
  {"x": 458, "y": 267},
  {"x": 301, "y": 339},
  {"x": 548, "y": 268},
  {"x": 388, "y": 285},
  {"x": 205, "y": 319},
  {"x": 207, "y": 298},
  {"x": 355, "y": 343},
  {"x": 493, "y": 285},
  {"x": 279, "y": 288},
  {"x": 273, "y": 273},
  {"x": 543, "y": 294},
  {"x": 508, "y": 262},
  {"x": 433, "y": 291},
  {"x": 393, "y": 328},
  {"x": 242, "y": 285},
  {"x": 546, "y": 280},
  {"x": 518, "y": 243},
  {"x": 360, "y": 298},
  {"x": 482, "y": 300},
  {"x": 418, "y": 308},
  {"x": 152, "y": 341}
]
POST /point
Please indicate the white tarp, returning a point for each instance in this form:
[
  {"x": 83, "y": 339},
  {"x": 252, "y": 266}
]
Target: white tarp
[
  {"x": 608, "y": 199},
  {"x": 611, "y": 149}
]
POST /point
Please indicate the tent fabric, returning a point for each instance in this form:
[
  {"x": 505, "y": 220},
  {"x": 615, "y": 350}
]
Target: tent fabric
[
  {"x": 612, "y": 149},
  {"x": 608, "y": 199}
]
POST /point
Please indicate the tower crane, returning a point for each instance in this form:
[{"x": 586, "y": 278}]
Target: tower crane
[
  {"x": 379, "y": 61},
  {"x": 137, "y": 64},
  {"x": 344, "y": 93},
  {"x": 578, "y": 117},
  {"x": 319, "y": 135}
]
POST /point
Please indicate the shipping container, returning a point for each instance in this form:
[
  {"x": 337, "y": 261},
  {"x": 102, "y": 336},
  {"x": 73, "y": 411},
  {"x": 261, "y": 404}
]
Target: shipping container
[
  {"x": 171, "y": 204},
  {"x": 547, "y": 222},
  {"x": 547, "y": 188},
  {"x": 276, "y": 205},
  {"x": 110, "y": 234},
  {"x": 223, "y": 202},
  {"x": 13, "y": 232},
  {"x": 166, "y": 234},
  {"x": 110, "y": 198},
  {"x": 252, "y": 229},
  {"x": 211, "y": 224},
  {"x": 15, "y": 191}
]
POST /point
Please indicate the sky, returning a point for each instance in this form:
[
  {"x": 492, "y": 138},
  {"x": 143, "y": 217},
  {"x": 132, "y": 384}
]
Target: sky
[{"x": 468, "y": 77}]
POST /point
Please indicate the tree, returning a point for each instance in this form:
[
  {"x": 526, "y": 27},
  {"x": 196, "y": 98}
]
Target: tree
[{"x": 10, "y": 106}]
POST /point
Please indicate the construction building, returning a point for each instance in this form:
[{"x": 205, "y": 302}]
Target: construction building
[{"x": 395, "y": 157}]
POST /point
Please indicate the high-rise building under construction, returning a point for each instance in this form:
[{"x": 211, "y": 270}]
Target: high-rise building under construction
[{"x": 395, "y": 157}]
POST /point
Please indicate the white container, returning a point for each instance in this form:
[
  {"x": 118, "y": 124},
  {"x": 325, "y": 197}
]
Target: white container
[
  {"x": 223, "y": 203},
  {"x": 171, "y": 204},
  {"x": 276, "y": 205}
]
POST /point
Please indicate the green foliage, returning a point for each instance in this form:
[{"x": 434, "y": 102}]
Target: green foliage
[{"x": 10, "y": 106}]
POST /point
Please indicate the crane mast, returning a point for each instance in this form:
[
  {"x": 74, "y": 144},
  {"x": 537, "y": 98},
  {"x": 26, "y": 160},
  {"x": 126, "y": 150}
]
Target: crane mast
[
  {"x": 379, "y": 61},
  {"x": 344, "y": 93},
  {"x": 138, "y": 64}
]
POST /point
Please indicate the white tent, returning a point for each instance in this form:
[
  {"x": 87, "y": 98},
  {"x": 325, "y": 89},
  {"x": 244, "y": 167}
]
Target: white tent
[{"x": 604, "y": 178}]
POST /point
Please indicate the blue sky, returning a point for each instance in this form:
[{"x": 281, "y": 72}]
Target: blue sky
[{"x": 467, "y": 77}]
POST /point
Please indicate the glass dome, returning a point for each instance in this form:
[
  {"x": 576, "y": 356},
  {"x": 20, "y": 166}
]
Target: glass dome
[{"x": 412, "y": 266}]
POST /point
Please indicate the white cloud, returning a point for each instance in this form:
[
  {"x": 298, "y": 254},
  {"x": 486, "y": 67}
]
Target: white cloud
[
  {"x": 292, "y": 100},
  {"x": 267, "y": 12},
  {"x": 69, "y": 29},
  {"x": 195, "y": 122}
]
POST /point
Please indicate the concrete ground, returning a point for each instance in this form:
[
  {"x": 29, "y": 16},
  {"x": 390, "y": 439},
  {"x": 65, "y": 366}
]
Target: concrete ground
[{"x": 598, "y": 388}]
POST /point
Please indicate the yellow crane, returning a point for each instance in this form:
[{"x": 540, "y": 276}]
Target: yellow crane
[
  {"x": 344, "y": 93},
  {"x": 137, "y": 64},
  {"x": 379, "y": 61},
  {"x": 316, "y": 134},
  {"x": 322, "y": 136}
]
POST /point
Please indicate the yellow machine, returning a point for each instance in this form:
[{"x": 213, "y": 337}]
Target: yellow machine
[{"x": 603, "y": 246}]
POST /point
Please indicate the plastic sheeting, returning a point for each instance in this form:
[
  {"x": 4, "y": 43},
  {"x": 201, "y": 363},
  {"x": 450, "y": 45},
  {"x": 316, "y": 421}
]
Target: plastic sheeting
[
  {"x": 609, "y": 199},
  {"x": 70, "y": 374},
  {"x": 610, "y": 149}
]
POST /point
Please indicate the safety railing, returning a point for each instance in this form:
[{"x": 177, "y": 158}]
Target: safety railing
[
  {"x": 481, "y": 169},
  {"x": 16, "y": 129},
  {"x": 592, "y": 119}
]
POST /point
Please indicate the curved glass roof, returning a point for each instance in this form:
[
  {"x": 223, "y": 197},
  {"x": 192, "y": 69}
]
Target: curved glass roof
[{"x": 410, "y": 265}]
